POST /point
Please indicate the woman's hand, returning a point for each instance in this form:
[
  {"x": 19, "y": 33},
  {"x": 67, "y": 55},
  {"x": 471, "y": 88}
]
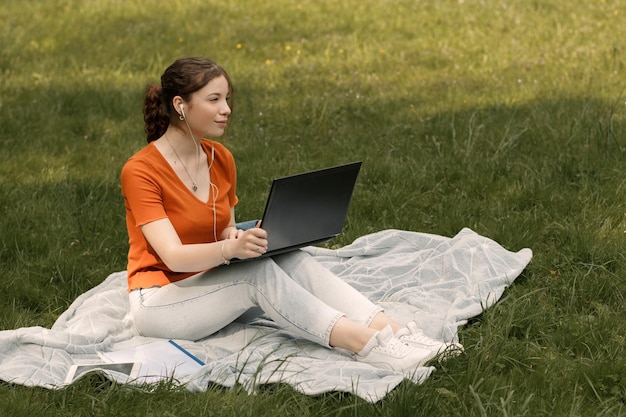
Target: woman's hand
[
  {"x": 231, "y": 232},
  {"x": 179, "y": 257},
  {"x": 246, "y": 244}
]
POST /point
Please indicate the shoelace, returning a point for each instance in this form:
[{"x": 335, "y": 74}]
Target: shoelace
[
  {"x": 392, "y": 346},
  {"x": 413, "y": 333},
  {"x": 418, "y": 336}
]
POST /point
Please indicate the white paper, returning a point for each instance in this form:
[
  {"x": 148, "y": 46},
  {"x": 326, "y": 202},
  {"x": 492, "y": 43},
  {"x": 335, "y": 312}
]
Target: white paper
[
  {"x": 159, "y": 360},
  {"x": 130, "y": 369}
]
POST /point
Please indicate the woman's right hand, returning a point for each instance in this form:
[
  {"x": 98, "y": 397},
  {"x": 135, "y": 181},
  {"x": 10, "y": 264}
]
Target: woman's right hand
[{"x": 250, "y": 243}]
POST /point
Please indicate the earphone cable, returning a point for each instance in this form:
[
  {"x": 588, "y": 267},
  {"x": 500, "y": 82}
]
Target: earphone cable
[{"x": 213, "y": 189}]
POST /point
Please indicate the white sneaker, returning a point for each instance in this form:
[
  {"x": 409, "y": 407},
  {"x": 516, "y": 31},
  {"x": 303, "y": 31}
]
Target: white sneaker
[
  {"x": 414, "y": 336},
  {"x": 387, "y": 352}
]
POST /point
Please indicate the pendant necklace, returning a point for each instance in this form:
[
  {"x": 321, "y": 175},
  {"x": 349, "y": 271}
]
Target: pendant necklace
[{"x": 194, "y": 185}]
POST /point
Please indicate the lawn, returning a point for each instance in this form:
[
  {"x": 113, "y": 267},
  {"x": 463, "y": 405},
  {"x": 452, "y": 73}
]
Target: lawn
[{"x": 508, "y": 117}]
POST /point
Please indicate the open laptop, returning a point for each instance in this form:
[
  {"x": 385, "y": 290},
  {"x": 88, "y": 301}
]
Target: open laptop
[{"x": 307, "y": 209}]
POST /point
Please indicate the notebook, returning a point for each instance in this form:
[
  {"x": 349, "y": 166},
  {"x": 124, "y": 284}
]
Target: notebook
[{"x": 309, "y": 208}]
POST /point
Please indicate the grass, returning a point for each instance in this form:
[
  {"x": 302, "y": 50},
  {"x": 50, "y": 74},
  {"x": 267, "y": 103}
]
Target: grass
[{"x": 506, "y": 117}]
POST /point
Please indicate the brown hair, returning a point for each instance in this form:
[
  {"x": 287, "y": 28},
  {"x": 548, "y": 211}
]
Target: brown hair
[{"x": 184, "y": 77}]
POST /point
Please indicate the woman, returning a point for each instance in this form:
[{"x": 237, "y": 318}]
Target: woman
[{"x": 180, "y": 194}]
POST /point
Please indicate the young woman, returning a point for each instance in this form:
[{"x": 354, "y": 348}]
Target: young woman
[{"x": 180, "y": 194}]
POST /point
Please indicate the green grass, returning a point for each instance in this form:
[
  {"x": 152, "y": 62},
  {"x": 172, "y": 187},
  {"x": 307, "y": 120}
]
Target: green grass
[{"x": 506, "y": 117}]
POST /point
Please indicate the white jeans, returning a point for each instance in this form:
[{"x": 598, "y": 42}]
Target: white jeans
[{"x": 293, "y": 289}]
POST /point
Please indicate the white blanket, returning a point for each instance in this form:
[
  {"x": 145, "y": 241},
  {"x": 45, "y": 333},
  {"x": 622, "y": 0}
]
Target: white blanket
[{"x": 437, "y": 281}]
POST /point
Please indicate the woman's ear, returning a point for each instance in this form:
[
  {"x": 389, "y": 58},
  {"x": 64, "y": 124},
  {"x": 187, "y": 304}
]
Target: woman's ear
[{"x": 178, "y": 104}]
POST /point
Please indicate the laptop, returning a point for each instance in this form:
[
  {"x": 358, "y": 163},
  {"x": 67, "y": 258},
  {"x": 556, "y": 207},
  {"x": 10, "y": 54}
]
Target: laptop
[{"x": 307, "y": 209}]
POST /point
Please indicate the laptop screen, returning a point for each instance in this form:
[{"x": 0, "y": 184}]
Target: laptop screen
[{"x": 308, "y": 208}]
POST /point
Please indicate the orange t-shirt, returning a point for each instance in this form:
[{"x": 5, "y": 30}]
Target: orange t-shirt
[{"x": 153, "y": 191}]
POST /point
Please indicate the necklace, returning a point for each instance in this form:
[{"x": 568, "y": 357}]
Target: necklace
[{"x": 194, "y": 185}]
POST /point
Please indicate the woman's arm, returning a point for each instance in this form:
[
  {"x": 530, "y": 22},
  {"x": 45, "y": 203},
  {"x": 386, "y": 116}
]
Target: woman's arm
[{"x": 178, "y": 257}]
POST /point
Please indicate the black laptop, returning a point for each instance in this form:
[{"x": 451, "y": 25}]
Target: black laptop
[{"x": 308, "y": 208}]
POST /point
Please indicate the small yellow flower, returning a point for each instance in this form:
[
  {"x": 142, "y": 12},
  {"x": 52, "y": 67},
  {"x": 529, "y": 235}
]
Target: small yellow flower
[
  {"x": 239, "y": 46},
  {"x": 287, "y": 48},
  {"x": 181, "y": 40},
  {"x": 268, "y": 62}
]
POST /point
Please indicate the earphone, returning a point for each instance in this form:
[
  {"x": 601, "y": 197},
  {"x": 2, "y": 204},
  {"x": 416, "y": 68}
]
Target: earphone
[{"x": 213, "y": 189}]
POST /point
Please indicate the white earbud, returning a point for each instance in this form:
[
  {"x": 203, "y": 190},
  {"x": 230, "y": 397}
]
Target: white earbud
[{"x": 182, "y": 110}]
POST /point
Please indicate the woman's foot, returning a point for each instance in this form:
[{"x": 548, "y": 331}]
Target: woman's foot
[
  {"x": 414, "y": 336},
  {"x": 385, "y": 351}
]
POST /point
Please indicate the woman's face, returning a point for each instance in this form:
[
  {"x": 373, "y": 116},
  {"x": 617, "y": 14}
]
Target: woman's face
[{"x": 207, "y": 110}]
